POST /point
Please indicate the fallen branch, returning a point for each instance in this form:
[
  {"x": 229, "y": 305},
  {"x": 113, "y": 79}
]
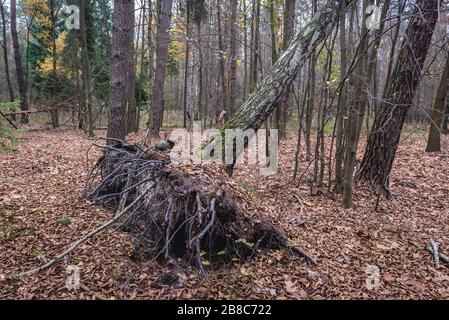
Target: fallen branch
[
  {"x": 432, "y": 248},
  {"x": 79, "y": 242},
  {"x": 303, "y": 253}
]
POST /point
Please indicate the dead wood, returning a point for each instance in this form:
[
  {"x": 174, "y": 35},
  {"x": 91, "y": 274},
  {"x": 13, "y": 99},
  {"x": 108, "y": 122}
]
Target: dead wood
[{"x": 185, "y": 217}]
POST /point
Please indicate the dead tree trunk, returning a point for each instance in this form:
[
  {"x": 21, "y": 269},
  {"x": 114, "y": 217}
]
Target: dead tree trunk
[
  {"x": 383, "y": 141},
  {"x": 262, "y": 102},
  {"x": 18, "y": 60}
]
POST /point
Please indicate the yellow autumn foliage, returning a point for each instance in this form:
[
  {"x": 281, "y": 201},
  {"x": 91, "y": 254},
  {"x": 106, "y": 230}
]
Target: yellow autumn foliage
[{"x": 46, "y": 67}]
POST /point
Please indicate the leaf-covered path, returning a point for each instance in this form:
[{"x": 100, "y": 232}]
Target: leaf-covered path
[{"x": 41, "y": 212}]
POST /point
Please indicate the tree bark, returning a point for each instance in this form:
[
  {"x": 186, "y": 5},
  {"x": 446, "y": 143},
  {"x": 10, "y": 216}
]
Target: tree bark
[
  {"x": 163, "y": 35},
  {"x": 445, "y": 128},
  {"x": 262, "y": 102},
  {"x": 54, "y": 9},
  {"x": 120, "y": 34},
  {"x": 221, "y": 64},
  {"x": 131, "y": 92},
  {"x": 356, "y": 113},
  {"x": 18, "y": 60},
  {"x": 255, "y": 40},
  {"x": 186, "y": 66},
  {"x": 285, "y": 102},
  {"x": 233, "y": 58},
  {"x": 341, "y": 108},
  {"x": 87, "y": 101},
  {"x": 5, "y": 53},
  {"x": 434, "y": 141},
  {"x": 383, "y": 141}
]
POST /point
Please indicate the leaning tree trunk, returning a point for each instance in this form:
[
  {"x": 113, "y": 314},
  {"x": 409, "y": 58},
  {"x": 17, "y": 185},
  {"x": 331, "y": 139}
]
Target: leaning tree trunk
[
  {"x": 434, "y": 141},
  {"x": 120, "y": 34},
  {"x": 18, "y": 60},
  {"x": 163, "y": 35},
  {"x": 383, "y": 141},
  {"x": 263, "y": 100}
]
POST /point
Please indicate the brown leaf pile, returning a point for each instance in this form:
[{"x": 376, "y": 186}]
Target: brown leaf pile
[{"x": 41, "y": 212}]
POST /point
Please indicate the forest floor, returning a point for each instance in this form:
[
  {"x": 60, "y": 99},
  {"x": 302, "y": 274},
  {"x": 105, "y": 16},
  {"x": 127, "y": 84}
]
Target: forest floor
[{"x": 42, "y": 212}]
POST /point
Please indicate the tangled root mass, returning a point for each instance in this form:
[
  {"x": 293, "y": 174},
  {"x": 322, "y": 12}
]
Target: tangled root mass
[{"x": 179, "y": 215}]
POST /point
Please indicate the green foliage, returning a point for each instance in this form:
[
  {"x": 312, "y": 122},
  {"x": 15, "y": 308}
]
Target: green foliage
[{"x": 7, "y": 134}]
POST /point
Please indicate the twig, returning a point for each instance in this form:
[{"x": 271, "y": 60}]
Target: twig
[
  {"x": 201, "y": 235},
  {"x": 9, "y": 120},
  {"x": 440, "y": 256},
  {"x": 301, "y": 252}
]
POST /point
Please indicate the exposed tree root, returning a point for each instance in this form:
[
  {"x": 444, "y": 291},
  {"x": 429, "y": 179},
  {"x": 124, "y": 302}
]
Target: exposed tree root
[
  {"x": 183, "y": 216},
  {"x": 172, "y": 215}
]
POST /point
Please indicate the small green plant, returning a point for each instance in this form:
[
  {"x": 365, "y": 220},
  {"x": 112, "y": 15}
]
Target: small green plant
[
  {"x": 65, "y": 221},
  {"x": 249, "y": 187},
  {"x": 7, "y": 133}
]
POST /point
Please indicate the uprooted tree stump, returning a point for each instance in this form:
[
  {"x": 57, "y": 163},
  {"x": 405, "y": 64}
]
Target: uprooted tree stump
[{"x": 178, "y": 215}]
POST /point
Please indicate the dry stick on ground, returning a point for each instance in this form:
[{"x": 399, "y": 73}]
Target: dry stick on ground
[
  {"x": 79, "y": 242},
  {"x": 432, "y": 248},
  {"x": 202, "y": 234}
]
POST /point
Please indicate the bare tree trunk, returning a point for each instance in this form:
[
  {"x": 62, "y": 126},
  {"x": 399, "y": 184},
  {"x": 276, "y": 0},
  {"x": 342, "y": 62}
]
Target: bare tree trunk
[
  {"x": 5, "y": 54},
  {"x": 383, "y": 141},
  {"x": 434, "y": 141},
  {"x": 120, "y": 34},
  {"x": 54, "y": 9},
  {"x": 186, "y": 65},
  {"x": 372, "y": 62},
  {"x": 356, "y": 112},
  {"x": 143, "y": 71},
  {"x": 87, "y": 101},
  {"x": 255, "y": 36},
  {"x": 200, "y": 71},
  {"x": 394, "y": 42},
  {"x": 245, "y": 50},
  {"x": 163, "y": 38},
  {"x": 18, "y": 60},
  {"x": 233, "y": 58},
  {"x": 341, "y": 109},
  {"x": 445, "y": 129},
  {"x": 221, "y": 64},
  {"x": 311, "y": 102},
  {"x": 131, "y": 92},
  {"x": 285, "y": 101}
]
